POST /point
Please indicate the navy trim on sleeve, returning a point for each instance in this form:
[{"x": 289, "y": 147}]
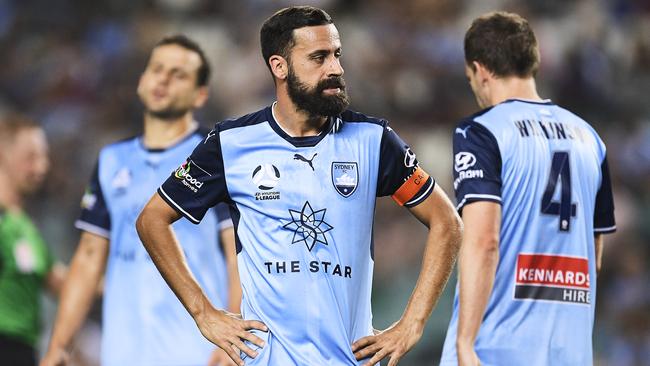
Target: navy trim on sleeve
[
  {"x": 200, "y": 182},
  {"x": 397, "y": 162},
  {"x": 94, "y": 216},
  {"x": 604, "y": 221},
  {"x": 477, "y": 164}
]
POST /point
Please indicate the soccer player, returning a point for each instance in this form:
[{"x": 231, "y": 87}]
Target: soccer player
[
  {"x": 26, "y": 263},
  {"x": 143, "y": 322},
  {"x": 301, "y": 177},
  {"x": 533, "y": 188}
]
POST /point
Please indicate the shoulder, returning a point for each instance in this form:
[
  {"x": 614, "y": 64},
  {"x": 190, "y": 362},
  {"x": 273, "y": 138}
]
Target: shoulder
[
  {"x": 475, "y": 118},
  {"x": 250, "y": 119},
  {"x": 350, "y": 116},
  {"x": 119, "y": 145},
  {"x": 473, "y": 125}
]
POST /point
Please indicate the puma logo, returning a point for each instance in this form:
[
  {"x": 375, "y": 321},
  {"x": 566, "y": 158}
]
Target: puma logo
[
  {"x": 302, "y": 158},
  {"x": 463, "y": 131}
]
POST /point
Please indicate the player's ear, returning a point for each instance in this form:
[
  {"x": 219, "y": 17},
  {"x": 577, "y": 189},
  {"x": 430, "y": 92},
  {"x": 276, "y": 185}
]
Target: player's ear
[
  {"x": 201, "y": 96},
  {"x": 480, "y": 71},
  {"x": 279, "y": 66}
]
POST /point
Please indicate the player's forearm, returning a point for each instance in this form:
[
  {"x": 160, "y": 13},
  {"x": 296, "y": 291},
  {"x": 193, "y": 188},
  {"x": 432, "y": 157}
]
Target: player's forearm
[
  {"x": 599, "y": 242},
  {"x": 477, "y": 267},
  {"x": 440, "y": 253},
  {"x": 79, "y": 289},
  {"x": 227, "y": 237},
  {"x": 156, "y": 234}
]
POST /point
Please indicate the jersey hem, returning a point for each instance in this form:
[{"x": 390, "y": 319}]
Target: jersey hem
[
  {"x": 605, "y": 230},
  {"x": 91, "y": 228},
  {"x": 176, "y": 206},
  {"x": 469, "y": 198}
]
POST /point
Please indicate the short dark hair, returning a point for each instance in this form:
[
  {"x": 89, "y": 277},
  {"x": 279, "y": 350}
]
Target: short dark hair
[
  {"x": 276, "y": 35},
  {"x": 504, "y": 43},
  {"x": 203, "y": 74},
  {"x": 12, "y": 123}
]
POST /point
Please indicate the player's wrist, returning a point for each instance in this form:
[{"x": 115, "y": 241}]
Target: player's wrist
[{"x": 464, "y": 342}]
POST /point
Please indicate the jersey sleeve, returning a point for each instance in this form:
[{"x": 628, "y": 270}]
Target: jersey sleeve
[
  {"x": 604, "y": 221},
  {"x": 199, "y": 183},
  {"x": 223, "y": 216},
  {"x": 477, "y": 165},
  {"x": 400, "y": 175},
  {"x": 94, "y": 217}
]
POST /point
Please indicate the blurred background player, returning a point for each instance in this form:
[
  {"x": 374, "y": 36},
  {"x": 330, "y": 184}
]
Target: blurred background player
[
  {"x": 406, "y": 65},
  {"x": 143, "y": 322},
  {"x": 532, "y": 184},
  {"x": 304, "y": 228},
  {"x": 26, "y": 263}
]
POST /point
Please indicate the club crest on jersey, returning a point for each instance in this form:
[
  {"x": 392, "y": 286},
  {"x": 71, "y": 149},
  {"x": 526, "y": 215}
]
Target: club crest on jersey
[{"x": 345, "y": 177}]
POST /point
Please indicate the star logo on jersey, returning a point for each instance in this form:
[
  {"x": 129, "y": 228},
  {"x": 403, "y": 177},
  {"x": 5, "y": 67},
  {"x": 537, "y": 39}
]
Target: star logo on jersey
[
  {"x": 308, "y": 226},
  {"x": 345, "y": 177}
]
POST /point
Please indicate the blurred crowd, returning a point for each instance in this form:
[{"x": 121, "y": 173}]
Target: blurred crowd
[{"x": 73, "y": 65}]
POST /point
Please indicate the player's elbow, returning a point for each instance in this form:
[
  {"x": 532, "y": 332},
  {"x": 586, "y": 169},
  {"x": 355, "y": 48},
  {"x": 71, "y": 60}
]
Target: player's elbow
[
  {"x": 450, "y": 227},
  {"x": 487, "y": 242},
  {"x": 144, "y": 223}
]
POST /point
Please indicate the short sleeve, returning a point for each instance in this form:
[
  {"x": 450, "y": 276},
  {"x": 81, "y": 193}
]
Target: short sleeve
[
  {"x": 400, "y": 175},
  {"x": 94, "y": 217},
  {"x": 199, "y": 183},
  {"x": 223, "y": 216},
  {"x": 604, "y": 221},
  {"x": 477, "y": 165}
]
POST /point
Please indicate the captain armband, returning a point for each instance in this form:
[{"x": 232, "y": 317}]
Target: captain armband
[{"x": 415, "y": 189}]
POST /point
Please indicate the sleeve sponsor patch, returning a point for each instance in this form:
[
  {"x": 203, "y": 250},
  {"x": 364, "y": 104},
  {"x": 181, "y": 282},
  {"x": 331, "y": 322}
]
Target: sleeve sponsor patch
[{"x": 552, "y": 278}]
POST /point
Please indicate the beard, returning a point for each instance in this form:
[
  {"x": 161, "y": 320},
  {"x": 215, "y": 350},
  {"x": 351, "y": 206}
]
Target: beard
[
  {"x": 169, "y": 113},
  {"x": 313, "y": 101}
]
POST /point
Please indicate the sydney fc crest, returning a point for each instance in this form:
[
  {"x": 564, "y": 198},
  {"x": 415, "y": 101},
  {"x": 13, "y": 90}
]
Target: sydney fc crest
[{"x": 345, "y": 177}]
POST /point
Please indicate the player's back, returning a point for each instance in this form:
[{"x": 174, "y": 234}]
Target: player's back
[{"x": 542, "y": 305}]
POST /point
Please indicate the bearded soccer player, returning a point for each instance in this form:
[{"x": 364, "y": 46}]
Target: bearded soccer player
[
  {"x": 533, "y": 188},
  {"x": 301, "y": 177},
  {"x": 143, "y": 322}
]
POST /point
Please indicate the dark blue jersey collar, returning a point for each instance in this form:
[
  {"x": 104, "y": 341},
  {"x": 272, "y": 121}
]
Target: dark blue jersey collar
[{"x": 306, "y": 141}]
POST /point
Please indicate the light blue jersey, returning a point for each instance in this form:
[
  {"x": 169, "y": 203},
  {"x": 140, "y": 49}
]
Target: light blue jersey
[
  {"x": 303, "y": 212},
  {"x": 548, "y": 170},
  {"x": 144, "y": 324}
]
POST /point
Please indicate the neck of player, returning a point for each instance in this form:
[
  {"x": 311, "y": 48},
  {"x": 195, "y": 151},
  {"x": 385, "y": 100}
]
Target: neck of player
[
  {"x": 296, "y": 123},
  {"x": 163, "y": 133},
  {"x": 10, "y": 197},
  {"x": 503, "y": 89}
]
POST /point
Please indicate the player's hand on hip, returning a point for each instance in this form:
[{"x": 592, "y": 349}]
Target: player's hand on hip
[
  {"x": 467, "y": 355},
  {"x": 393, "y": 342},
  {"x": 229, "y": 331},
  {"x": 220, "y": 358},
  {"x": 55, "y": 357}
]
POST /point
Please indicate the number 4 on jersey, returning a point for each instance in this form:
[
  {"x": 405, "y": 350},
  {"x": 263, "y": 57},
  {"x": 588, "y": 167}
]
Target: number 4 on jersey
[{"x": 560, "y": 169}]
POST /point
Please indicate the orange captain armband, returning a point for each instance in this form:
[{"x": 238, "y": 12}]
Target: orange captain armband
[{"x": 411, "y": 187}]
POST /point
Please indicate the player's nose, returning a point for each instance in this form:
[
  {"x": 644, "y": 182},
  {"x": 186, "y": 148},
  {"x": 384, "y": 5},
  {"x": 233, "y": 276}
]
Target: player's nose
[{"x": 335, "y": 67}]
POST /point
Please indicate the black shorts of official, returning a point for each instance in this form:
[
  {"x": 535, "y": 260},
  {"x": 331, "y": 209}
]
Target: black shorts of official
[{"x": 16, "y": 353}]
